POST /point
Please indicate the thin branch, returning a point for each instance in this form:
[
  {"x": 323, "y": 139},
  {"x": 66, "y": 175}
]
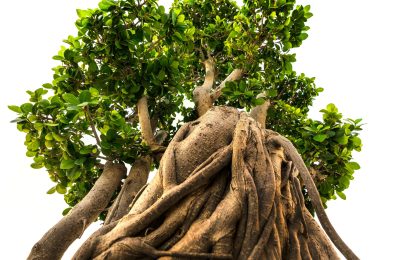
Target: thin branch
[
  {"x": 236, "y": 74},
  {"x": 102, "y": 157},
  {"x": 96, "y": 136}
]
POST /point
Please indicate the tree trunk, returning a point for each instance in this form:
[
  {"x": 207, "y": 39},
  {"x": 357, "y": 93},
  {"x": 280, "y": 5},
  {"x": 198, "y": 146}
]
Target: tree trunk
[{"x": 224, "y": 190}]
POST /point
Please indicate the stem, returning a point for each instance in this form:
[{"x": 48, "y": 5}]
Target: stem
[
  {"x": 96, "y": 136},
  {"x": 102, "y": 157}
]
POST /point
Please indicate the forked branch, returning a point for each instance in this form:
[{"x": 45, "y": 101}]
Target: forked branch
[
  {"x": 203, "y": 95},
  {"x": 236, "y": 74}
]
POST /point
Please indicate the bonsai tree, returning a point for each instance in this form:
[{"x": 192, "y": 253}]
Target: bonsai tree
[{"x": 205, "y": 95}]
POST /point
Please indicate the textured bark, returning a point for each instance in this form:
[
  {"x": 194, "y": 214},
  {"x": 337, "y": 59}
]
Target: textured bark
[
  {"x": 56, "y": 241},
  {"x": 225, "y": 189}
]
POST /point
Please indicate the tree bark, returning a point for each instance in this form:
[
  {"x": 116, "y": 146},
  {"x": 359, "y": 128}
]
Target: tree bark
[
  {"x": 145, "y": 122},
  {"x": 56, "y": 241}
]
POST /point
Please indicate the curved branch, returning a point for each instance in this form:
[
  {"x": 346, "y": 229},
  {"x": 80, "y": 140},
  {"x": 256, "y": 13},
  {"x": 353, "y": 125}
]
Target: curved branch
[
  {"x": 312, "y": 190},
  {"x": 236, "y": 74},
  {"x": 202, "y": 94},
  {"x": 57, "y": 240}
]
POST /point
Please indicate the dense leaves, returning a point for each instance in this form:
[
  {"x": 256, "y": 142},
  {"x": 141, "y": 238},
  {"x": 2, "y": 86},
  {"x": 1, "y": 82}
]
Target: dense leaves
[
  {"x": 126, "y": 49},
  {"x": 326, "y": 146}
]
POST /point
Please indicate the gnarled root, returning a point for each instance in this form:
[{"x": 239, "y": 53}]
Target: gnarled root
[{"x": 224, "y": 190}]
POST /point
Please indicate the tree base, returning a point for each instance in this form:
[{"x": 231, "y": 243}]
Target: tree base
[{"x": 224, "y": 190}]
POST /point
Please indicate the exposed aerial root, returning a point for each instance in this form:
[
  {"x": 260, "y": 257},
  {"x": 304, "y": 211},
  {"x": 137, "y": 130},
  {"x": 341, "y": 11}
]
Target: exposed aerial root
[{"x": 239, "y": 198}]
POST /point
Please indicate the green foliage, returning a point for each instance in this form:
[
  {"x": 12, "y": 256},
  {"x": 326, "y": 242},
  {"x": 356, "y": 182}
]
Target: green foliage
[
  {"x": 326, "y": 146},
  {"x": 126, "y": 49}
]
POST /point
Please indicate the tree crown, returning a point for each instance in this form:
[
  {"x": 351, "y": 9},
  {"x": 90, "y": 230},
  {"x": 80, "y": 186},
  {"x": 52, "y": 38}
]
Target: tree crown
[{"x": 125, "y": 50}]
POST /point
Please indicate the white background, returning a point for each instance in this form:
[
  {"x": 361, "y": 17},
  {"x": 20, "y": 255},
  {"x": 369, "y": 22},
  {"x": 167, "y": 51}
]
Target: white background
[{"x": 353, "y": 51}]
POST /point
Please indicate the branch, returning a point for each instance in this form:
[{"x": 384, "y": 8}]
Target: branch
[
  {"x": 96, "y": 136},
  {"x": 236, "y": 74},
  {"x": 56, "y": 241},
  {"x": 312, "y": 190},
  {"x": 136, "y": 179},
  {"x": 202, "y": 94},
  {"x": 144, "y": 121},
  {"x": 259, "y": 113}
]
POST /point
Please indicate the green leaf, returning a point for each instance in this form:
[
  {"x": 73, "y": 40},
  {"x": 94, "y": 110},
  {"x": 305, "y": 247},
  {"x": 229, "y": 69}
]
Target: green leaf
[
  {"x": 85, "y": 150},
  {"x": 84, "y": 96},
  {"x": 58, "y": 137},
  {"x": 37, "y": 165},
  {"x": 34, "y": 145},
  {"x": 66, "y": 211},
  {"x": 52, "y": 190},
  {"x": 356, "y": 140},
  {"x": 341, "y": 195},
  {"x": 51, "y": 124},
  {"x": 67, "y": 164},
  {"x": 26, "y": 108},
  {"x": 49, "y": 137},
  {"x": 258, "y": 101},
  {"x": 80, "y": 161},
  {"x": 73, "y": 174},
  {"x": 272, "y": 93},
  {"x": 342, "y": 139},
  {"x": 83, "y": 13},
  {"x": 61, "y": 189},
  {"x": 92, "y": 67},
  {"x": 106, "y": 4},
  {"x": 47, "y": 85},
  {"x": 320, "y": 138},
  {"x": 94, "y": 92},
  {"x": 353, "y": 165},
  {"x": 16, "y": 109},
  {"x": 70, "y": 98},
  {"x": 332, "y": 108}
]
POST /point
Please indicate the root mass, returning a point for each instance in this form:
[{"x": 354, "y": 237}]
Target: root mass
[{"x": 225, "y": 189}]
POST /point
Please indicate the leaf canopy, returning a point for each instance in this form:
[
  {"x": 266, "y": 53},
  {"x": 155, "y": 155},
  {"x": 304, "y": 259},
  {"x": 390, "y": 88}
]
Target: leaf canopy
[{"x": 126, "y": 49}]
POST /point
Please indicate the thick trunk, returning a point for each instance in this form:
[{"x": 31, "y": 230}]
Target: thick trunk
[
  {"x": 225, "y": 189},
  {"x": 56, "y": 241}
]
